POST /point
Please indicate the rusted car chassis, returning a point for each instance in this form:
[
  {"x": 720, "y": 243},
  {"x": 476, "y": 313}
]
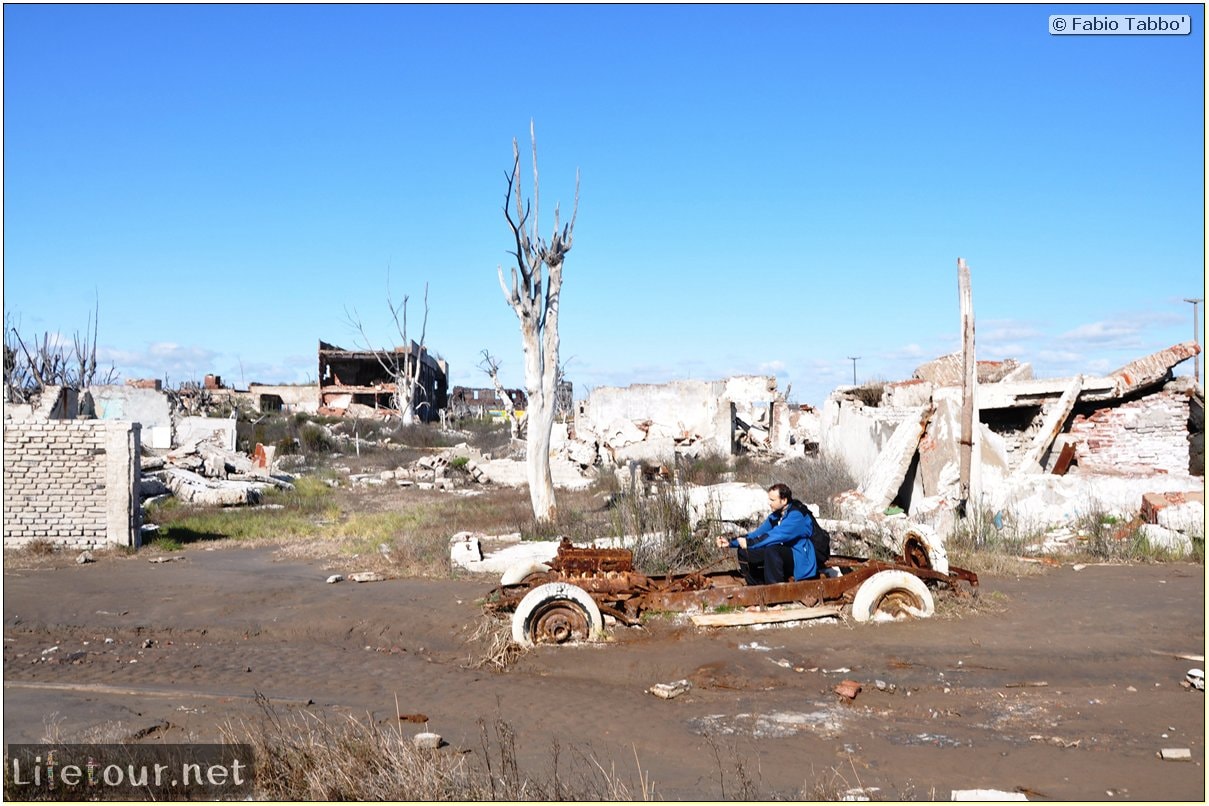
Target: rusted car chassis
[{"x": 555, "y": 603}]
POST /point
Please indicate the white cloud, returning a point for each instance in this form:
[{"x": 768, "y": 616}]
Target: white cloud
[
  {"x": 161, "y": 360},
  {"x": 1103, "y": 333},
  {"x": 1060, "y": 356},
  {"x": 906, "y": 351}
]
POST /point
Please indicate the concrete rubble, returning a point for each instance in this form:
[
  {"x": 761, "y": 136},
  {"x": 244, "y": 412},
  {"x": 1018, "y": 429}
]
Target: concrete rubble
[
  {"x": 1048, "y": 453},
  {"x": 203, "y": 473}
]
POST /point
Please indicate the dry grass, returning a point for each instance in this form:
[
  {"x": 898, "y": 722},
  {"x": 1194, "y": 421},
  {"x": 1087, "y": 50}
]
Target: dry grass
[
  {"x": 492, "y": 646},
  {"x": 307, "y": 757}
]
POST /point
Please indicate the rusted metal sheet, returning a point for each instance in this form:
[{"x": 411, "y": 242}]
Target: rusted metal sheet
[
  {"x": 1065, "y": 457},
  {"x": 580, "y": 561}
]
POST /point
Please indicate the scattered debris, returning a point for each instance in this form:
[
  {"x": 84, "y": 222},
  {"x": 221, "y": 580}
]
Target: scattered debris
[
  {"x": 428, "y": 741},
  {"x": 335, "y": 578},
  {"x": 765, "y": 616},
  {"x": 85, "y": 557},
  {"x": 1196, "y": 678},
  {"x": 848, "y": 689},
  {"x": 166, "y": 559},
  {"x": 1056, "y": 741},
  {"x": 670, "y": 691},
  {"x": 422, "y": 718},
  {"x": 1175, "y": 754},
  {"x": 986, "y": 794},
  {"x": 860, "y": 793},
  {"x": 882, "y": 685},
  {"x": 367, "y": 576},
  {"x": 1180, "y": 655},
  {"x": 1027, "y": 684}
]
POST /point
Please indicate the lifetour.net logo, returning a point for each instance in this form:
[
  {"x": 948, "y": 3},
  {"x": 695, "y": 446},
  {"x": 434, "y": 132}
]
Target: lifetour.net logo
[{"x": 128, "y": 772}]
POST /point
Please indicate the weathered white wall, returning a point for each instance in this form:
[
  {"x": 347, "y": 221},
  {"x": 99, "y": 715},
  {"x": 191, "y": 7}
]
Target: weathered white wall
[
  {"x": 293, "y": 398},
  {"x": 147, "y": 407},
  {"x": 219, "y": 430}
]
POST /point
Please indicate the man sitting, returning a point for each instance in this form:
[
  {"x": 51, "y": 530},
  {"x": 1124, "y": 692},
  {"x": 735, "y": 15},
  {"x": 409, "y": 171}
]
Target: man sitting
[{"x": 779, "y": 548}]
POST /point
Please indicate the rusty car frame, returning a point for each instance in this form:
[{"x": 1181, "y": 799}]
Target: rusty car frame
[{"x": 566, "y": 600}]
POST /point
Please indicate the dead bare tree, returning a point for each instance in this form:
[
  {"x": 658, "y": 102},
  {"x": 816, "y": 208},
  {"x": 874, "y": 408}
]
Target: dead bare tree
[
  {"x": 534, "y": 294},
  {"x": 402, "y": 364},
  {"x": 30, "y": 365},
  {"x": 491, "y": 365}
]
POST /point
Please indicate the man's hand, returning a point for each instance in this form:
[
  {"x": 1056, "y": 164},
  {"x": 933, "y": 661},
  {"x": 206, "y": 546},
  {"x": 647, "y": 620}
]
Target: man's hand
[{"x": 721, "y": 542}]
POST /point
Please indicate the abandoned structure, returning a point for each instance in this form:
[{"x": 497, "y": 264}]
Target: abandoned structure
[
  {"x": 654, "y": 421},
  {"x": 1045, "y": 450},
  {"x": 353, "y": 381},
  {"x": 465, "y": 401}
]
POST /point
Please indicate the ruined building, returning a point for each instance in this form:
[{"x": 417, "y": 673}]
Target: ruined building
[{"x": 363, "y": 382}]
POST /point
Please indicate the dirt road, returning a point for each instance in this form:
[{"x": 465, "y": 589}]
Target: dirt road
[{"x": 1063, "y": 685}]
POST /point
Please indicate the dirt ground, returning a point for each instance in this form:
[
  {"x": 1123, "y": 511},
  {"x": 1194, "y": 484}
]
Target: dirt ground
[{"x": 1062, "y": 685}]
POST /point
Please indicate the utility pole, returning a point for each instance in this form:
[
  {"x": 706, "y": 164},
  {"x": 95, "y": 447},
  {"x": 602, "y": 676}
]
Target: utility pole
[
  {"x": 1196, "y": 337},
  {"x": 853, "y": 359},
  {"x": 965, "y": 446}
]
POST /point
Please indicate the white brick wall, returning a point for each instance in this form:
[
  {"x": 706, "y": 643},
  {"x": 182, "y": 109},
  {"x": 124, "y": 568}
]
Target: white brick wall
[{"x": 71, "y": 482}]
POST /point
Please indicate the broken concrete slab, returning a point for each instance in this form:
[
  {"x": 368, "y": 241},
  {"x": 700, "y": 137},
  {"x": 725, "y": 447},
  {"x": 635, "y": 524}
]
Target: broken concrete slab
[
  {"x": 733, "y": 502},
  {"x": 1168, "y": 539},
  {"x": 1050, "y": 427},
  {"x": 891, "y": 466},
  {"x": 1153, "y": 368},
  {"x": 193, "y": 488},
  {"x": 218, "y": 431}
]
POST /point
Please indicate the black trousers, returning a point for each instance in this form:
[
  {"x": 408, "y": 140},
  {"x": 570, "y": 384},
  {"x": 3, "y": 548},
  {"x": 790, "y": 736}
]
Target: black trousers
[{"x": 766, "y": 565}]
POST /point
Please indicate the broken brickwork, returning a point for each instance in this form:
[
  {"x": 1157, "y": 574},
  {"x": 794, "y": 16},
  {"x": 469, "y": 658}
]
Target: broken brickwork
[{"x": 1148, "y": 431}]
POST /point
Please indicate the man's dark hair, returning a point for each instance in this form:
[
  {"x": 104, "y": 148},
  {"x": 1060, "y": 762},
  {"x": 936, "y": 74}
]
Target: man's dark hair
[{"x": 782, "y": 491}]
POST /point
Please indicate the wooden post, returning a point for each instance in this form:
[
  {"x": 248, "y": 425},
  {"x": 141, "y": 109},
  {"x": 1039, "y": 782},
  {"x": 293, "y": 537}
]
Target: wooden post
[{"x": 969, "y": 377}]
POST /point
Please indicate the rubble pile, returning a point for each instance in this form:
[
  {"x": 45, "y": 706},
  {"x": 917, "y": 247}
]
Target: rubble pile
[{"x": 200, "y": 472}]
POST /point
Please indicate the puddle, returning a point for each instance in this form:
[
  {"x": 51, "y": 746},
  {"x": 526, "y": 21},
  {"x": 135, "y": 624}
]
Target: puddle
[{"x": 826, "y": 723}]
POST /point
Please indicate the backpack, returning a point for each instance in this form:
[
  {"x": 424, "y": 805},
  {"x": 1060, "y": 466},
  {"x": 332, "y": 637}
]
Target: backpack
[{"x": 819, "y": 536}]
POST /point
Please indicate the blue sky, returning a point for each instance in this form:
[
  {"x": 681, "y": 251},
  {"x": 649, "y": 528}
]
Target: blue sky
[{"x": 766, "y": 189}]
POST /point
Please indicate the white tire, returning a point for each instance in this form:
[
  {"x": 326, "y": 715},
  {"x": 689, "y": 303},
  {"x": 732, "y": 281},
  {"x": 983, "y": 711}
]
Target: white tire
[
  {"x": 556, "y": 613},
  {"x": 517, "y": 573},
  {"x": 892, "y": 595}
]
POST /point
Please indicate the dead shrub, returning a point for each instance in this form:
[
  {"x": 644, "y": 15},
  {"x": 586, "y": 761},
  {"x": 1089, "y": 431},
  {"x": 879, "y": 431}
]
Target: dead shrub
[
  {"x": 813, "y": 479},
  {"x": 870, "y": 393},
  {"x": 309, "y": 757},
  {"x": 39, "y": 547},
  {"x": 492, "y": 646}
]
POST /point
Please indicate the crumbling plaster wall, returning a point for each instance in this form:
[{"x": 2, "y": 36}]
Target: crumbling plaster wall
[
  {"x": 72, "y": 483},
  {"x": 148, "y": 407},
  {"x": 1148, "y": 431},
  {"x": 294, "y": 398},
  {"x": 675, "y": 410},
  {"x": 856, "y": 434}
]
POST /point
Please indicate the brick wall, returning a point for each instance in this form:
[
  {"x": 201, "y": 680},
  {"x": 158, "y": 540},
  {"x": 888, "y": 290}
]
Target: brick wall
[
  {"x": 72, "y": 483},
  {"x": 1146, "y": 432}
]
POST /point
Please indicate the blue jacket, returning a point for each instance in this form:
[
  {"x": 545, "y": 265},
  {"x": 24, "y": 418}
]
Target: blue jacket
[{"x": 791, "y": 528}]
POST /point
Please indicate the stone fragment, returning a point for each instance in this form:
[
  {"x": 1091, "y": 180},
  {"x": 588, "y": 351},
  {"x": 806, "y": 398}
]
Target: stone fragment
[{"x": 668, "y": 691}]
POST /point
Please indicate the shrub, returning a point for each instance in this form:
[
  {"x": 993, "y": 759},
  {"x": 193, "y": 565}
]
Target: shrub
[{"x": 315, "y": 439}]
